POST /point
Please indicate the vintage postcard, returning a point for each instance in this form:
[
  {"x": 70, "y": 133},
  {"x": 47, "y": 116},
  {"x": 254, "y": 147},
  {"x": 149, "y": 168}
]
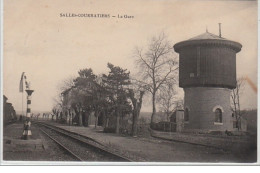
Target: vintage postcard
[{"x": 112, "y": 82}]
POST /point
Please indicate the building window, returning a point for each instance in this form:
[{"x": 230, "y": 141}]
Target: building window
[
  {"x": 218, "y": 115},
  {"x": 186, "y": 114}
]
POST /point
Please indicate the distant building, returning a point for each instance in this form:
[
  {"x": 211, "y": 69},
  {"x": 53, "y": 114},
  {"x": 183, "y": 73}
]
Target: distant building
[
  {"x": 207, "y": 74},
  {"x": 9, "y": 113}
]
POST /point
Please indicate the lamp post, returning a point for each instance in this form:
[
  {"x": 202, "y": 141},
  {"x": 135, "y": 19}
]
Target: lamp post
[{"x": 27, "y": 124}]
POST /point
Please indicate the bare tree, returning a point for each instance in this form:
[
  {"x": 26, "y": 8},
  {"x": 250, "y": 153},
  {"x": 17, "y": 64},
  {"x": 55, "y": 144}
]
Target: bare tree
[
  {"x": 61, "y": 99},
  {"x": 57, "y": 107},
  {"x": 136, "y": 93},
  {"x": 167, "y": 99},
  {"x": 235, "y": 101},
  {"x": 157, "y": 65},
  {"x": 66, "y": 84}
]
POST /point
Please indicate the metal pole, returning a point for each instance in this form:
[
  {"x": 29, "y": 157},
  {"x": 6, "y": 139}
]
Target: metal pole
[
  {"x": 219, "y": 29},
  {"x": 22, "y": 104}
]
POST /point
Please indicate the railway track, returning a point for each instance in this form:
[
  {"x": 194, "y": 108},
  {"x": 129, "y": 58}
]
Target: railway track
[{"x": 80, "y": 147}]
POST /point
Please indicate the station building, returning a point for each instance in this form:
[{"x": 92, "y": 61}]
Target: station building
[
  {"x": 71, "y": 115},
  {"x": 9, "y": 113}
]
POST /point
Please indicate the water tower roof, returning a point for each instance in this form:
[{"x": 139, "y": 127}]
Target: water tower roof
[
  {"x": 206, "y": 36},
  {"x": 208, "y": 39}
]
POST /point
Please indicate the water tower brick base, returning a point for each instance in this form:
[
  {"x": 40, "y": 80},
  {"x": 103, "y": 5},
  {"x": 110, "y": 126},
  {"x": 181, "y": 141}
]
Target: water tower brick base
[{"x": 202, "y": 103}]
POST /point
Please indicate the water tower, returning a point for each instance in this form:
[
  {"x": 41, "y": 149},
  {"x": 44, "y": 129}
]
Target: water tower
[{"x": 207, "y": 74}]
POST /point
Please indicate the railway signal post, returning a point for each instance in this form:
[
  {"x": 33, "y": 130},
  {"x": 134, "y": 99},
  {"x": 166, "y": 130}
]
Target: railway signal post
[{"x": 27, "y": 125}]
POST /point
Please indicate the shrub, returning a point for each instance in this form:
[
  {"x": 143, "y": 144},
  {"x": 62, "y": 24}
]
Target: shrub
[{"x": 109, "y": 130}]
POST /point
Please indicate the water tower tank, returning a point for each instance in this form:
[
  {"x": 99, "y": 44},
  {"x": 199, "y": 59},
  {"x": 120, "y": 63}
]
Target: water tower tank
[
  {"x": 207, "y": 60},
  {"x": 207, "y": 72}
]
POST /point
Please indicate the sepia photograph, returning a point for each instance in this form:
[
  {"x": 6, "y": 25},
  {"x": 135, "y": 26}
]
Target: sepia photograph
[{"x": 129, "y": 82}]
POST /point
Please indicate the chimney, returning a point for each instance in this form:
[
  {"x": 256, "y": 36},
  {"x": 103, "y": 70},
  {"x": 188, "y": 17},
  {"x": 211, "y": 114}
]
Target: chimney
[{"x": 219, "y": 29}]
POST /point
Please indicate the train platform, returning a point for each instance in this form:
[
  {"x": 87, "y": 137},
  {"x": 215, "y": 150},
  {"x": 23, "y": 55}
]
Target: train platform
[
  {"x": 15, "y": 147},
  {"x": 151, "y": 149},
  {"x": 37, "y": 148}
]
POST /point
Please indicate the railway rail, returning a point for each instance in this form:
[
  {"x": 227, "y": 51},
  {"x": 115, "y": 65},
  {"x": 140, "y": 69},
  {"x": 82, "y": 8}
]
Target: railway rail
[{"x": 80, "y": 147}]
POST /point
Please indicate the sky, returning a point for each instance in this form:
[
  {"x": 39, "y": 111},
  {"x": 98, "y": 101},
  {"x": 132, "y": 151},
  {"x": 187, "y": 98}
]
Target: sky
[{"x": 51, "y": 49}]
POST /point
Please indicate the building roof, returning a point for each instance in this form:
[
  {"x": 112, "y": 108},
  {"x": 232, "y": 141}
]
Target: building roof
[
  {"x": 208, "y": 39},
  {"x": 5, "y": 98},
  {"x": 207, "y": 36}
]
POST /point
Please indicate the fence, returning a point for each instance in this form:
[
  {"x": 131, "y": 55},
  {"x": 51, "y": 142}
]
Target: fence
[{"x": 164, "y": 126}]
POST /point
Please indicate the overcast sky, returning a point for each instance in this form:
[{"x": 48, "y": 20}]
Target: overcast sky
[{"x": 50, "y": 48}]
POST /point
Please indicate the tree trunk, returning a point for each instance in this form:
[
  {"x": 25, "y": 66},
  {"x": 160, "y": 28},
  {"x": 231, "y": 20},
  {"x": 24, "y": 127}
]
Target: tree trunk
[
  {"x": 136, "y": 110},
  {"x": 57, "y": 117},
  {"x": 134, "y": 125},
  {"x": 239, "y": 114},
  {"x": 107, "y": 122},
  {"x": 96, "y": 118},
  {"x": 80, "y": 118},
  {"x": 168, "y": 116},
  {"x": 154, "y": 108},
  {"x": 117, "y": 121},
  {"x": 69, "y": 119},
  {"x": 86, "y": 118}
]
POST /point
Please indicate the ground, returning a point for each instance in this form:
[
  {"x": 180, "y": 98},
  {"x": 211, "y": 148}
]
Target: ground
[
  {"x": 39, "y": 148},
  {"x": 140, "y": 149}
]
